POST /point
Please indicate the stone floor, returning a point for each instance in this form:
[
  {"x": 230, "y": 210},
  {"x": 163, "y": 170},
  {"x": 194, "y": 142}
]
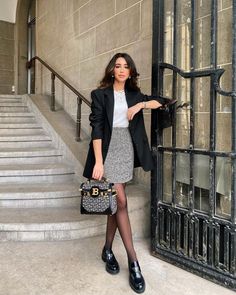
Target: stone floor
[{"x": 75, "y": 268}]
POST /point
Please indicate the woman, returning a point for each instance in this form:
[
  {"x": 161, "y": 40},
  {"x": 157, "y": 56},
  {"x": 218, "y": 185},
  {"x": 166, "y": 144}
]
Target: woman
[{"x": 119, "y": 143}]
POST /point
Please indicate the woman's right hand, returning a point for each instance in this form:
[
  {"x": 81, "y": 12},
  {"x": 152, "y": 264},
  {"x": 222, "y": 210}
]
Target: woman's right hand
[{"x": 98, "y": 171}]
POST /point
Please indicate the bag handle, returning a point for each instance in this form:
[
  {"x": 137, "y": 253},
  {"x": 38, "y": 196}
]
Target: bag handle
[{"x": 104, "y": 179}]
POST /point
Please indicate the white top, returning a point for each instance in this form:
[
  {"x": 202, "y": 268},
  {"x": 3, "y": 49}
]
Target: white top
[{"x": 120, "y": 118}]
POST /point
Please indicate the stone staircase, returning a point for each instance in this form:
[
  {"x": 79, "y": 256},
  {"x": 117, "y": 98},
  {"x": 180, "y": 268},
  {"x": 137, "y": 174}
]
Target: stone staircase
[
  {"x": 39, "y": 188},
  {"x": 40, "y": 178}
]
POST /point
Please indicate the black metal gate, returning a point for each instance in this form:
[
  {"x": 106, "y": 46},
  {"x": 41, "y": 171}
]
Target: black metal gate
[{"x": 194, "y": 183}]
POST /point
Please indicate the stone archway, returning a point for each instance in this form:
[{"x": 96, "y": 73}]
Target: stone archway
[{"x": 21, "y": 46}]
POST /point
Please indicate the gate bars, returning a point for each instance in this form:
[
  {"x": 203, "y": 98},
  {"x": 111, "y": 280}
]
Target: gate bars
[{"x": 200, "y": 242}]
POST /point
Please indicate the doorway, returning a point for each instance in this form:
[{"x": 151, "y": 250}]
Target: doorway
[{"x": 31, "y": 45}]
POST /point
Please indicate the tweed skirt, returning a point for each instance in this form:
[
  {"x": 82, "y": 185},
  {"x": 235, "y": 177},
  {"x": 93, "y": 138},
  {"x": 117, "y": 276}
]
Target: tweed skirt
[{"x": 119, "y": 162}]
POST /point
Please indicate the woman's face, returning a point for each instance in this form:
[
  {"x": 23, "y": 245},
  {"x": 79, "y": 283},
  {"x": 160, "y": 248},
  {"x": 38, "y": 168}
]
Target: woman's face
[{"x": 121, "y": 70}]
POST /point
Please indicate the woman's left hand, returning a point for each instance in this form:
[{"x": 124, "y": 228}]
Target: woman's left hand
[{"x": 134, "y": 110}]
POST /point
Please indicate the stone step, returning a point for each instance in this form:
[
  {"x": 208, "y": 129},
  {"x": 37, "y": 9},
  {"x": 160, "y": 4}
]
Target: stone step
[
  {"x": 22, "y": 137},
  {"x": 16, "y": 114},
  {"x": 29, "y": 155},
  {"x": 51, "y": 224},
  {"x": 138, "y": 198},
  {"x": 16, "y": 120},
  {"x": 34, "y": 142},
  {"x": 10, "y": 96},
  {"x": 20, "y": 125},
  {"x": 21, "y": 131},
  {"x": 11, "y": 100},
  {"x": 48, "y": 224},
  {"x": 12, "y": 103},
  {"x": 29, "y": 152},
  {"x": 38, "y": 196},
  {"x": 14, "y": 109},
  {"x": 34, "y": 173},
  {"x": 53, "y": 159}
]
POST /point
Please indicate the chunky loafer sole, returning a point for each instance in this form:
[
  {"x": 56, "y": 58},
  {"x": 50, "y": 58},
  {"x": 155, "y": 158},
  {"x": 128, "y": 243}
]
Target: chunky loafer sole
[
  {"x": 112, "y": 265},
  {"x": 141, "y": 290},
  {"x": 111, "y": 271},
  {"x": 136, "y": 280}
]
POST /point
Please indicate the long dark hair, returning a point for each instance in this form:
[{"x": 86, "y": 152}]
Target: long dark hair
[{"x": 108, "y": 78}]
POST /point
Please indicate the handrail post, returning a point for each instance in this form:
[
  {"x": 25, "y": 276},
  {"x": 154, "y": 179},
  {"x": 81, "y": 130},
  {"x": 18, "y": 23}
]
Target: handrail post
[
  {"x": 78, "y": 119},
  {"x": 53, "y": 92},
  {"x": 80, "y": 97}
]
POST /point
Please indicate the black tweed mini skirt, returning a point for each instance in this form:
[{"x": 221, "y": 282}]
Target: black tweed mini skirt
[{"x": 119, "y": 162}]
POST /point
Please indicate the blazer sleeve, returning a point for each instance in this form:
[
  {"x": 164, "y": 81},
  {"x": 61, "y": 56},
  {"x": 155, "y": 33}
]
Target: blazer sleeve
[
  {"x": 97, "y": 116},
  {"x": 145, "y": 97}
]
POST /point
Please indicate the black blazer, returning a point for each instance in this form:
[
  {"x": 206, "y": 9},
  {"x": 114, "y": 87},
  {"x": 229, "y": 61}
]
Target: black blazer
[{"x": 101, "y": 120}]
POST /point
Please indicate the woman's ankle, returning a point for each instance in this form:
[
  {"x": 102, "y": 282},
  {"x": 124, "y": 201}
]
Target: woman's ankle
[
  {"x": 107, "y": 246},
  {"x": 132, "y": 258}
]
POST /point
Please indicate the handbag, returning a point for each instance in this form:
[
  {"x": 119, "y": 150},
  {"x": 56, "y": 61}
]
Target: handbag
[{"x": 98, "y": 197}]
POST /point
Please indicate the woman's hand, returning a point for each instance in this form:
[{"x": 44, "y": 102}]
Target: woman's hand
[
  {"x": 134, "y": 110},
  {"x": 98, "y": 171}
]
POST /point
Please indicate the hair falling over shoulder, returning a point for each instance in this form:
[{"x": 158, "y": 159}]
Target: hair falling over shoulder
[{"x": 108, "y": 79}]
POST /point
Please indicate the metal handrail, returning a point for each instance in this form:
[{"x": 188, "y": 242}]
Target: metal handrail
[{"x": 80, "y": 97}]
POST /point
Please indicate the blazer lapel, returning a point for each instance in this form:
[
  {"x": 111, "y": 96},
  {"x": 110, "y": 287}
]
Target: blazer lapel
[
  {"x": 109, "y": 104},
  {"x": 131, "y": 101},
  {"x": 129, "y": 98}
]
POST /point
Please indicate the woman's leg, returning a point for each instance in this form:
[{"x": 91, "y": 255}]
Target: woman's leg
[
  {"x": 110, "y": 231},
  {"x": 120, "y": 220},
  {"x": 136, "y": 280},
  {"x": 112, "y": 266},
  {"x": 123, "y": 222}
]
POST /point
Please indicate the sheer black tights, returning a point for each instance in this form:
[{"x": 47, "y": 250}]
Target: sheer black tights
[{"x": 121, "y": 221}]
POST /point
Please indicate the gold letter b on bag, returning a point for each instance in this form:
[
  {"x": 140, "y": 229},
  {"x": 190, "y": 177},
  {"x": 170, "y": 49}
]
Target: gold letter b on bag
[{"x": 95, "y": 191}]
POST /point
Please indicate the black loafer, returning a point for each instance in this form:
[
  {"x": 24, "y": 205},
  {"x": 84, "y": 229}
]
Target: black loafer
[
  {"x": 136, "y": 280},
  {"x": 112, "y": 265}
]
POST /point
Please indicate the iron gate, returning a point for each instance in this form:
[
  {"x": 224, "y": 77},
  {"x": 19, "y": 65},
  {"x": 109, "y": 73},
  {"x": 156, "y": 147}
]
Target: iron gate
[{"x": 193, "y": 208}]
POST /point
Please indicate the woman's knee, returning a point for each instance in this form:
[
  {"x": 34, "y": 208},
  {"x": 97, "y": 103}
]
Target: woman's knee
[
  {"x": 121, "y": 202},
  {"x": 121, "y": 196}
]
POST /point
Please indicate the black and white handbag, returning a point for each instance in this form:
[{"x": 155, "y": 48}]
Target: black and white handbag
[{"x": 98, "y": 197}]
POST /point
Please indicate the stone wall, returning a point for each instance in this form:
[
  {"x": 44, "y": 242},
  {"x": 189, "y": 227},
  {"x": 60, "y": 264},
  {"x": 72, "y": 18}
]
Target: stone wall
[
  {"x": 78, "y": 38},
  {"x": 6, "y": 57}
]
